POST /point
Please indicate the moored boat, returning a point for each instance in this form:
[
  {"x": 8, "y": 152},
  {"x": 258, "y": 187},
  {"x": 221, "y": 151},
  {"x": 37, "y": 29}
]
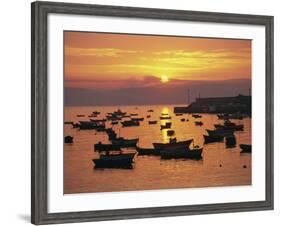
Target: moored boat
[
  {"x": 68, "y": 139},
  {"x": 152, "y": 122},
  {"x": 167, "y": 125},
  {"x": 137, "y": 119},
  {"x": 238, "y": 116},
  {"x": 228, "y": 125},
  {"x": 170, "y": 132},
  {"x": 123, "y": 143},
  {"x": 130, "y": 123},
  {"x": 68, "y": 123},
  {"x": 98, "y": 120},
  {"x": 165, "y": 117},
  {"x": 120, "y": 160},
  {"x": 198, "y": 123},
  {"x": 196, "y": 116},
  {"x": 246, "y": 148},
  {"x": 172, "y": 145},
  {"x": 75, "y": 125},
  {"x": 85, "y": 125},
  {"x": 220, "y": 132},
  {"x": 195, "y": 153},
  {"x": 114, "y": 117},
  {"x": 230, "y": 141},
  {"x": 213, "y": 138}
]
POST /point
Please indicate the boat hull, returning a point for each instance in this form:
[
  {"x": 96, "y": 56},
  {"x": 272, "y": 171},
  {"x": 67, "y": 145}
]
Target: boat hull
[
  {"x": 182, "y": 153},
  {"x": 246, "y": 148},
  {"x": 124, "y": 161},
  {"x": 212, "y": 139},
  {"x": 123, "y": 143},
  {"x": 171, "y": 146}
]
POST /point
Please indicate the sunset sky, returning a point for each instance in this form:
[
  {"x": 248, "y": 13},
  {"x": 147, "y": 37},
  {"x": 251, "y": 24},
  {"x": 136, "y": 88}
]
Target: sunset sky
[{"x": 113, "y": 61}]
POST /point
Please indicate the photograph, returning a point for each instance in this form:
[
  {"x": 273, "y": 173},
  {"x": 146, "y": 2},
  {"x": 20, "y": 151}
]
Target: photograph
[{"x": 146, "y": 112}]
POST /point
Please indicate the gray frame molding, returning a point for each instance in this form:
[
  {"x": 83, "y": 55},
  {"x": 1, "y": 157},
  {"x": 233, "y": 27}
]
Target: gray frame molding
[{"x": 39, "y": 193}]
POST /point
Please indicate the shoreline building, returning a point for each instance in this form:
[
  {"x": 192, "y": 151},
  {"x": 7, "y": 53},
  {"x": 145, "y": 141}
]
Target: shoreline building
[{"x": 240, "y": 103}]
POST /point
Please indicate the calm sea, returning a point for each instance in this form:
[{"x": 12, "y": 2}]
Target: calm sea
[{"x": 220, "y": 166}]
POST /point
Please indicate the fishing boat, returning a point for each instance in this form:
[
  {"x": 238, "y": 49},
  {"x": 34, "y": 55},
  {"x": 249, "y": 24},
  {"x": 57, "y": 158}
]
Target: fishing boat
[
  {"x": 120, "y": 160},
  {"x": 152, "y": 122},
  {"x": 220, "y": 132},
  {"x": 165, "y": 117},
  {"x": 172, "y": 145},
  {"x": 150, "y": 110},
  {"x": 148, "y": 116},
  {"x": 198, "y": 123},
  {"x": 238, "y": 116},
  {"x": 68, "y": 123},
  {"x": 187, "y": 153},
  {"x": 167, "y": 125},
  {"x": 98, "y": 120},
  {"x": 68, "y": 139},
  {"x": 125, "y": 143},
  {"x": 228, "y": 125},
  {"x": 170, "y": 132},
  {"x": 113, "y": 117},
  {"x": 114, "y": 122},
  {"x": 75, "y": 125},
  {"x": 134, "y": 114},
  {"x": 213, "y": 138},
  {"x": 196, "y": 116},
  {"x": 147, "y": 151},
  {"x": 119, "y": 113},
  {"x": 106, "y": 147},
  {"x": 80, "y": 115},
  {"x": 230, "y": 141},
  {"x": 183, "y": 119},
  {"x": 85, "y": 125},
  {"x": 179, "y": 114},
  {"x": 164, "y": 114},
  {"x": 130, "y": 123},
  {"x": 246, "y": 148},
  {"x": 137, "y": 119}
]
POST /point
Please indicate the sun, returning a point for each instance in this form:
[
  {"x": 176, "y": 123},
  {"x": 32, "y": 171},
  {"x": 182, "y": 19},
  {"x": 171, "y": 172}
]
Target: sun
[{"x": 164, "y": 78}]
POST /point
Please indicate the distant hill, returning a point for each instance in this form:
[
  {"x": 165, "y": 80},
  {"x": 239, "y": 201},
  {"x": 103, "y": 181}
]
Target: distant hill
[{"x": 174, "y": 93}]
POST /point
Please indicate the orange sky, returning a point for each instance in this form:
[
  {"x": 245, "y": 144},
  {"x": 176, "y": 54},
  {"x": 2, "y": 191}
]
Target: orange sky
[{"x": 113, "y": 60}]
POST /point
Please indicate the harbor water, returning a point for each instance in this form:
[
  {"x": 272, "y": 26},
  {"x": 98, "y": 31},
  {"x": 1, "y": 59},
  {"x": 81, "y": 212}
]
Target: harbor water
[{"x": 219, "y": 166}]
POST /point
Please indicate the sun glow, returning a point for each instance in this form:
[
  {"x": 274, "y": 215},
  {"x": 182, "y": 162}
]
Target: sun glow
[{"x": 164, "y": 79}]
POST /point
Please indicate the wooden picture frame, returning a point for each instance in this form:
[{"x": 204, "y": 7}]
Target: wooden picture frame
[{"x": 40, "y": 12}]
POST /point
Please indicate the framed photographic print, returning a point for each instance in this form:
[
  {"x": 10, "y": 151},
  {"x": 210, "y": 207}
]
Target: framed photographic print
[{"x": 140, "y": 112}]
